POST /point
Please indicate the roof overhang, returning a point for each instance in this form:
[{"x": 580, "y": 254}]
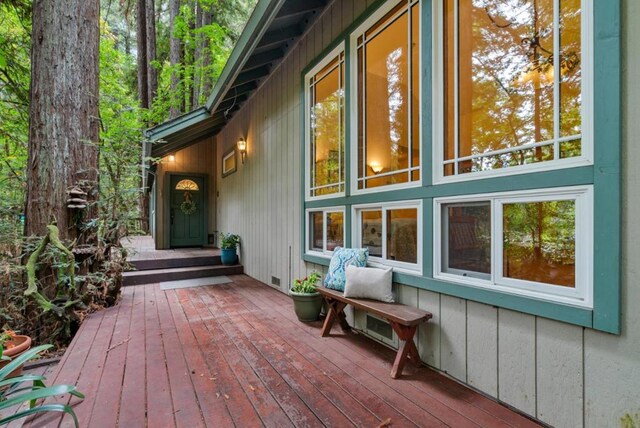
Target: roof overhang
[{"x": 272, "y": 30}]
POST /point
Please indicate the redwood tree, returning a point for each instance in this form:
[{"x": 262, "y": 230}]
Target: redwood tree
[{"x": 64, "y": 124}]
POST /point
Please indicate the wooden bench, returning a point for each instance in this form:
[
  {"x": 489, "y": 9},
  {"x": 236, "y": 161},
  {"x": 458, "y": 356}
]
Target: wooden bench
[{"x": 403, "y": 319}]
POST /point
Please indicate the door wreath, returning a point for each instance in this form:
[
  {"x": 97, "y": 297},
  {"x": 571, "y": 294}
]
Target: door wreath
[{"x": 187, "y": 206}]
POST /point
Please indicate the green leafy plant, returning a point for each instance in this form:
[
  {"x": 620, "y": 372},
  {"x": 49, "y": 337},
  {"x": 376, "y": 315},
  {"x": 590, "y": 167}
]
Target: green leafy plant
[
  {"x": 229, "y": 241},
  {"x": 16, "y": 391},
  {"x": 306, "y": 285}
]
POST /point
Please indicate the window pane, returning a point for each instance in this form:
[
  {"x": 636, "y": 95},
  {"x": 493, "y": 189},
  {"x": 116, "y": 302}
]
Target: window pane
[
  {"x": 540, "y": 242},
  {"x": 402, "y": 235},
  {"x": 467, "y": 238},
  {"x": 389, "y": 99},
  {"x": 570, "y": 69},
  {"x": 372, "y": 232},
  {"x": 500, "y": 80},
  {"x": 335, "y": 230},
  {"x": 415, "y": 92},
  {"x": 327, "y": 153},
  {"x": 315, "y": 231}
]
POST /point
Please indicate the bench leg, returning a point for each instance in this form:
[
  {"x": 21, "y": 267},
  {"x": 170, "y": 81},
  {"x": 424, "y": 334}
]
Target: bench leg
[
  {"x": 406, "y": 350},
  {"x": 336, "y": 310}
]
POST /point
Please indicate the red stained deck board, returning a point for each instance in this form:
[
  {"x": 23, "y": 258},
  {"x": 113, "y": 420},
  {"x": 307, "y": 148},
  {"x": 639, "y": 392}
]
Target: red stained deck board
[
  {"x": 319, "y": 372},
  {"x": 107, "y": 403},
  {"x": 323, "y": 371},
  {"x": 424, "y": 413},
  {"x": 185, "y": 404},
  {"x": 227, "y": 385},
  {"x": 248, "y": 387},
  {"x": 133, "y": 401},
  {"x": 160, "y": 408},
  {"x": 181, "y": 353},
  {"x": 325, "y": 411},
  {"x": 204, "y": 381}
]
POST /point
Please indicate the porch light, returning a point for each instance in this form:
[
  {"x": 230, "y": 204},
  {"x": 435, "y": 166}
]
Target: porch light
[
  {"x": 172, "y": 157},
  {"x": 242, "y": 148}
]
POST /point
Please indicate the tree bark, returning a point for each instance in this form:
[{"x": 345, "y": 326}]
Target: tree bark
[
  {"x": 64, "y": 125},
  {"x": 197, "y": 55},
  {"x": 141, "y": 26},
  {"x": 207, "y": 81},
  {"x": 175, "y": 52},
  {"x": 152, "y": 73}
]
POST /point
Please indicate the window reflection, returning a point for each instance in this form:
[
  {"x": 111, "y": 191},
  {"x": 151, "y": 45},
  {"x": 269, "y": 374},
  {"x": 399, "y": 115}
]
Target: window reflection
[
  {"x": 335, "y": 230},
  {"x": 467, "y": 246},
  {"x": 327, "y": 129},
  {"x": 388, "y": 99},
  {"x": 503, "y": 73},
  {"x": 540, "y": 242},
  {"x": 372, "y": 232},
  {"x": 402, "y": 235}
]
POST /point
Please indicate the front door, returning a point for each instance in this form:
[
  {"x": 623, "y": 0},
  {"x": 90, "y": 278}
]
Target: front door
[{"x": 187, "y": 211}]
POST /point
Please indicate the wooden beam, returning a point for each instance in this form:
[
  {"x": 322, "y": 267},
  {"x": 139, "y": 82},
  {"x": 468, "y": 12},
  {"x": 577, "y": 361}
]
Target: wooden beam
[
  {"x": 279, "y": 36},
  {"x": 263, "y": 58},
  {"x": 298, "y": 7},
  {"x": 250, "y": 76}
]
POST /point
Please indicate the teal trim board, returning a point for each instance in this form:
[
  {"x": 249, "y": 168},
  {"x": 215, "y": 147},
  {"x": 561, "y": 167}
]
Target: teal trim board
[
  {"x": 607, "y": 173},
  {"x": 604, "y": 175}
]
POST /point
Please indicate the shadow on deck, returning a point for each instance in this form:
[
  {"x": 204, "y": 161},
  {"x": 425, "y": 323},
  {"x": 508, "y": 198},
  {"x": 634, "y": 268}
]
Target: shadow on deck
[{"x": 235, "y": 355}]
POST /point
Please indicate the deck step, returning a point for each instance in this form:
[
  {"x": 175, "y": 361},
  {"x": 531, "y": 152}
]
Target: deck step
[
  {"x": 177, "y": 262},
  {"x": 175, "y": 274}
]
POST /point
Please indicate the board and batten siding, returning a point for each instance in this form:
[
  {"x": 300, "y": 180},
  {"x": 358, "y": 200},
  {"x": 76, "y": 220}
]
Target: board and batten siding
[
  {"x": 564, "y": 375},
  {"x": 199, "y": 158}
]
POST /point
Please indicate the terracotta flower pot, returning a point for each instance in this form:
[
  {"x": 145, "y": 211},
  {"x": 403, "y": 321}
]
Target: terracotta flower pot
[{"x": 20, "y": 344}]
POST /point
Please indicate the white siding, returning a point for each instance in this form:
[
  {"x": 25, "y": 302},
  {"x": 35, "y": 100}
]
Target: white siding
[{"x": 562, "y": 374}]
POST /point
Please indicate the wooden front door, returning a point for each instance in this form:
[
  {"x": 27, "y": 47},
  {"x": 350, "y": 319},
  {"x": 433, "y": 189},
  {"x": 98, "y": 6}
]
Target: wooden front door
[{"x": 187, "y": 210}]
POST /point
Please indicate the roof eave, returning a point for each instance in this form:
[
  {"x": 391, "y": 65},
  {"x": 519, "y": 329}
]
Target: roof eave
[{"x": 263, "y": 14}]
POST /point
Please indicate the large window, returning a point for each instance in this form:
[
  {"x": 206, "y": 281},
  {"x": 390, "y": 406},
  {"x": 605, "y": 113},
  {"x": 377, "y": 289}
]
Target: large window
[
  {"x": 534, "y": 243},
  {"x": 325, "y": 230},
  {"x": 392, "y": 232},
  {"x": 387, "y": 77},
  {"x": 325, "y": 127},
  {"x": 515, "y": 84}
]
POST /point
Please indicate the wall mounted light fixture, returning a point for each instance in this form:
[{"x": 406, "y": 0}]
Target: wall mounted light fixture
[
  {"x": 375, "y": 167},
  {"x": 242, "y": 148},
  {"x": 172, "y": 157}
]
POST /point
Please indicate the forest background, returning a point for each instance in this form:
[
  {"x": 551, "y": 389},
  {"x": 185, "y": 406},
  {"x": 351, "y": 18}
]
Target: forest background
[{"x": 157, "y": 60}]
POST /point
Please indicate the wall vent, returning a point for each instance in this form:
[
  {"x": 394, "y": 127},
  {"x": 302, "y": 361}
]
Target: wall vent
[
  {"x": 275, "y": 281},
  {"x": 381, "y": 330}
]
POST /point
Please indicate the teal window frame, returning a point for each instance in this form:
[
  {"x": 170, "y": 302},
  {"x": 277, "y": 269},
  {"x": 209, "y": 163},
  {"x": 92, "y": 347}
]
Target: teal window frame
[{"x": 604, "y": 175}]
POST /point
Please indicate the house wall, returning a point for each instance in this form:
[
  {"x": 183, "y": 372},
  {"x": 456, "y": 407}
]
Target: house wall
[
  {"x": 562, "y": 374},
  {"x": 198, "y": 158}
]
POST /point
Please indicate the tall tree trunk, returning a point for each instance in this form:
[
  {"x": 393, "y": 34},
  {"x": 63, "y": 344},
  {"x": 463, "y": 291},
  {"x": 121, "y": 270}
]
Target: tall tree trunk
[
  {"x": 64, "y": 125},
  {"x": 174, "y": 58},
  {"x": 207, "y": 80},
  {"x": 152, "y": 73},
  {"x": 197, "y": 55},
  {"x": 141, "y": 26}
]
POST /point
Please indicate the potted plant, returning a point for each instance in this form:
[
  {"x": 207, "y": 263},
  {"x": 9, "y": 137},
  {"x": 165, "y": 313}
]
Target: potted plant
[
  {"x": 307, "y": 302},
  {"x": 13, "y": 345},
  {"x": 228, "y": 247}
]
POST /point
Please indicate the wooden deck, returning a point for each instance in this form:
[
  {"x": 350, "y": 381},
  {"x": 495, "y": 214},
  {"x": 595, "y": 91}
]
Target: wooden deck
[{"x": 235, "y": 355}]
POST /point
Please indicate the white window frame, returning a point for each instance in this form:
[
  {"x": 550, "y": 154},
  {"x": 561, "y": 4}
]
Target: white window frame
[
  {"x": 581, "y": 295},
  {"x": 353, "y": 101},
  {"x": 340, "y": 49},
  {"x": 356, "y": 233},
  {"x": 324, "y": 211},
  {"x": 587, "y": 135}
]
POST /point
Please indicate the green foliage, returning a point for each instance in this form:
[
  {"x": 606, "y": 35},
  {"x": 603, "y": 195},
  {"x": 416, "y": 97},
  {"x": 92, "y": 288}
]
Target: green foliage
[
  {"x": 630, "y": 421},
  {"x": 306, "y": 285},
  {"x": 229, "y": 241},
  {"x": 14, "y": 391}
]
